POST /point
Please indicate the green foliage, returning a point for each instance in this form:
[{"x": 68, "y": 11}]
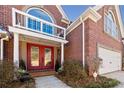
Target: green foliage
[
  {"x": 6, "y": 72},
  {"x": 122, "y": 63},
  {"x": 96, "y": 63},
  {"x": 103, "y": 82},
  {"x": 22, "y": 65},
  {"x": 23, "y": 75},
  {"x": 57, "y": 65},
  {"x": 60, "y": 70},
  {"x": 75, "y": 76},
  {"x": 93, "y": 62},
  {"x": 20, "y": 72},
  {"x": 74, "y": 69}
]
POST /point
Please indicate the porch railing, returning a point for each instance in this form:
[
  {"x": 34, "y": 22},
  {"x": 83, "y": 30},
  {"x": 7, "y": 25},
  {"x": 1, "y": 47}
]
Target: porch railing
[{"x": 32, "y": 23}]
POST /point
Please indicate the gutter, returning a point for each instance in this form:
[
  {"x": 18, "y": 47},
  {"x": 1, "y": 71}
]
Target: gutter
[
  {"x": 92, "y": 14},
  {"x": 83, "y": 43},
  {"x": 2, "y": 47},
  {"x": 89, "y": 13}
]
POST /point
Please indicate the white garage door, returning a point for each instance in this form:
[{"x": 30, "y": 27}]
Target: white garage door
[{"x": 111, "y": 60}]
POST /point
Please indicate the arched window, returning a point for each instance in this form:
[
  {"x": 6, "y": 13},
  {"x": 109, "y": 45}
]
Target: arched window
[
  {"x": 110, "y": 25},
  {"x": 36, "y": 25}
]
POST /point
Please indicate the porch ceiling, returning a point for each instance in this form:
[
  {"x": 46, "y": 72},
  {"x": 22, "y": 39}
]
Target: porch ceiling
[{"x": 31, "y": 39}]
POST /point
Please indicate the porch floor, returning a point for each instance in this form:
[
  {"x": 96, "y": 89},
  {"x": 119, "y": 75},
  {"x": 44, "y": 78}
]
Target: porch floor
[
  {"x": 42, "y": 73},
  {"x": 49, "y": 82}
]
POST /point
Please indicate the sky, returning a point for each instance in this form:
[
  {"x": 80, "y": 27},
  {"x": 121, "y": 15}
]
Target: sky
[{"x": 74, "y": 11}]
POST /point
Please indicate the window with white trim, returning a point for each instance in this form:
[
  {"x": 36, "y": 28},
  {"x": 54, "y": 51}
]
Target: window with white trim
[
  {"x": 110, "y": 26},
  {"x": 36, "y": 25}
]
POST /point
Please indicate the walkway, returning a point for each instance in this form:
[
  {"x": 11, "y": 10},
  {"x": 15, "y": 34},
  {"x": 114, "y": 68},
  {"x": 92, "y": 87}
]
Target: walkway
[{"x": 49, "y": 82}]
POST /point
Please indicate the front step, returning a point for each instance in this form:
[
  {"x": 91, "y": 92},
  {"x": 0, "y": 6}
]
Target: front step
[{"x": 45, "y": 73}]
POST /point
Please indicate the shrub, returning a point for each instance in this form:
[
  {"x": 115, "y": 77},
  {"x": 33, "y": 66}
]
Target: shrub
[
  {"x": 75, "y": 76},
  {"x": 74, "y": 69},
  {"x": 6, "y": 72},
  {"x": 57, "y": 65},
  {"x": 123, "y": 63},
  {"x": 108, "y": 82},
  {"x": 102, "y": 82},
  {"x": 22, "y": 64},
  {"x": 21, "y": 72},
  {"x": 92, "y": 85},
  {"x": 23, "y": 75},
  {"x": 96, "y": 63}
]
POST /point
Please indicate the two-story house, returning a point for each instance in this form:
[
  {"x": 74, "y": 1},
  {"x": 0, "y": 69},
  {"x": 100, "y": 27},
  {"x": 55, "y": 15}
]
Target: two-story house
[
  {"x": 35, "y": 34},
  {"x": 40, "y": 35},
  {"x": 98, "y": 32}
]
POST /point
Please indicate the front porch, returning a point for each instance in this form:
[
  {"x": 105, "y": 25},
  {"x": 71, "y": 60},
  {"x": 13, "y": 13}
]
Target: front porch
[
  {"x": 38, "y": 48},
  {"x": 39, "y": 55},
  {"x": 45, "y": 51}
]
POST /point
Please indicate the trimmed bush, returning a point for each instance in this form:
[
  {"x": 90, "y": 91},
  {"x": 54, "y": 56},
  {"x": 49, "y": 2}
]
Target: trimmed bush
[
  {"x": 6, "y": 72},
  {"x": 74, "y": 69},
  {"x": 11, "y": 77},
  {"x": 102, "y": 82},
  {"x": 75, "y": 76},
  {"x": 22, "y": 65},
  {"x": 96, "y": 63},
  {"x": 57, "y": 65},
  {"x": 23, "y": 75}
]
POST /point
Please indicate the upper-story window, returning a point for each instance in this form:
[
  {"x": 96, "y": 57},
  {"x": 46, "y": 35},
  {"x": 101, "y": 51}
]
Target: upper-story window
[
  {"x": 36, "y": 25},
  {"x": 110, "y": 25}
]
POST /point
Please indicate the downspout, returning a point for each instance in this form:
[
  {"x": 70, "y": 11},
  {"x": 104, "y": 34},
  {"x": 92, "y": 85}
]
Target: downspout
[
  {"x": 83, "y": 43},
  {"x": 2, "y": 47}
]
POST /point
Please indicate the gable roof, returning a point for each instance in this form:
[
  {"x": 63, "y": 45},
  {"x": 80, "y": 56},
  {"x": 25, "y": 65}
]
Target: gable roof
[
  {"x": 89, "y": 13},
  {"x": 120, "y": 20},
  {"x": 62, "y": 12},
  {"x": 95, "y": 9}
]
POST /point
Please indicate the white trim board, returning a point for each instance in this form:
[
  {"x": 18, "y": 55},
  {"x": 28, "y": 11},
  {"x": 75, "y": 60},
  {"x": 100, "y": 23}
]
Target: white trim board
[
  {"x": 34, "y": 34},
  {"x": 52, "y": 19},
  {"x": 96, "y": 8},
  {"x": 118, "y": 15},
  {"x": 89, "y": 13},
  {"x": 62, "y": 12}
]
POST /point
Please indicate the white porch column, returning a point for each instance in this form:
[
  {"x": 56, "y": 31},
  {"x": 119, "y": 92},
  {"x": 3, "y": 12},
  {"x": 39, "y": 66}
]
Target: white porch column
[
  {"x": 16, "y": 49},
  {"x": 1, "y": 49},
  {"x": 62, "y": 53}
]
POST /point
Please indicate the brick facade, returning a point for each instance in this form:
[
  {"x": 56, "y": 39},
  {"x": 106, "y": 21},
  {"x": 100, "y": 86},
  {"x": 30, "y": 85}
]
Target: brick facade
[
  {"x": 6, "y": 20},
  {"x": 94, "y": 35},
  {"x": 73, "y": 50}
]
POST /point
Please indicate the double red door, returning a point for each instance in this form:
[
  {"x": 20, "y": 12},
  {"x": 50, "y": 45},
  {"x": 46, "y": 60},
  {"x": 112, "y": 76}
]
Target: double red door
[{"x": 40, "y": 57}]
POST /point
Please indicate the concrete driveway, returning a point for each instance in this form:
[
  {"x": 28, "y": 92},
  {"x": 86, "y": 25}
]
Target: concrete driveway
[{"x": 119, "y": 75}]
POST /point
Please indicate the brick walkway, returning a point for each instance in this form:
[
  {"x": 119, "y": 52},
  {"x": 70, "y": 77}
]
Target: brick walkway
[{"x": 49, "y": 82}]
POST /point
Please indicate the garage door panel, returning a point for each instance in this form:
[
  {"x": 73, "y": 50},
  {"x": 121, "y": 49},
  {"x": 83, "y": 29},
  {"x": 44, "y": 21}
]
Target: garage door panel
[{"x": 111, "y": 60}]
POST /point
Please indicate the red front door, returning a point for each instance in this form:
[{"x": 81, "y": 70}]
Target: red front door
[{"x": 40, "y": 57}]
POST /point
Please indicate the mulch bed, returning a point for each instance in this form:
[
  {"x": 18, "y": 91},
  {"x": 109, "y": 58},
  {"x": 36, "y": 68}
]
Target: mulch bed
[
  {"x": 89, "y": 82},
  {"x": 18, "y": 84}
]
